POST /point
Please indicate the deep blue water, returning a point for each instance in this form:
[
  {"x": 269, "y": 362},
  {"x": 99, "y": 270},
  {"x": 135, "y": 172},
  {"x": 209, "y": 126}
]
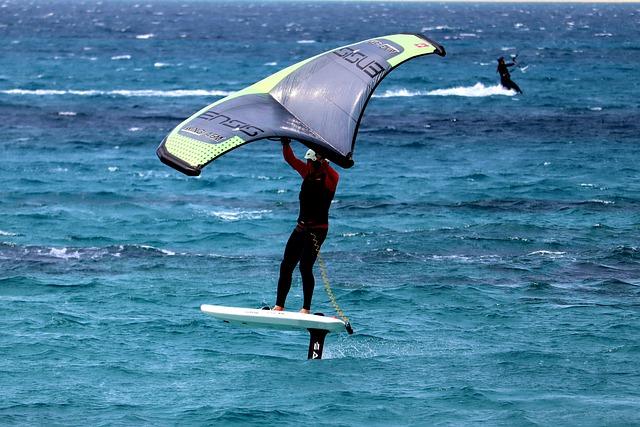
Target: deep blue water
[{"x": 485, "y": 246}]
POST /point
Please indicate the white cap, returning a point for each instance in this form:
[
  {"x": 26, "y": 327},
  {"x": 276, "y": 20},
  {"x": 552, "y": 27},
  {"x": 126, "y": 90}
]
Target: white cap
[{"x": 311, "y": 155}]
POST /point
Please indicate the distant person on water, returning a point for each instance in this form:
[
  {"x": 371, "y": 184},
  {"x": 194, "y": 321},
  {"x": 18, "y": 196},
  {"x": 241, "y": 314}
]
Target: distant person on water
[
  {"x": 319, "y": 182},
  {"x": 505, "y": 77}
]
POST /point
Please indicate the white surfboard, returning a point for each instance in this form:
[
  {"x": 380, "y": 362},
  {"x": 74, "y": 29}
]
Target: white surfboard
[{"x": 274, "y": 319}]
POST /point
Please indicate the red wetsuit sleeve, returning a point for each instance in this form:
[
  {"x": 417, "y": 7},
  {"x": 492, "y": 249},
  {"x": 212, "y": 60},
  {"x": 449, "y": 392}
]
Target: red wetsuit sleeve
[{"x": 294, "y": 162}]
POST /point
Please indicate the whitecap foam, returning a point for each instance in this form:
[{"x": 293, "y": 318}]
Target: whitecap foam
[
  {"x": 169, "y": 93},
  {"x": 393, "y": 93},
  {"x": 305, "y": 41},
  {"x": 352, "y": 234},
  {"x": 238, "y": 214},
  {"x": 145, "y": 36},
  {"x": 548, "y": 253},
  {"x": 120, "y": 57},
  {"x": 118, "y": 92},
  {"x": 39, "y": 92},
  {"x": 477, "y": 90},
  {"x": 161, "y": 64},
  {"x": 67, "y": 113},
  {"x": 152, "y": 174},
  {"x": 437, "y": 27},
  {"x": 7, "y": 233},
  {"x": 466, "y": 259},
  {"x": 63, "y": 253},
  {"x": 153, "y": 248}
]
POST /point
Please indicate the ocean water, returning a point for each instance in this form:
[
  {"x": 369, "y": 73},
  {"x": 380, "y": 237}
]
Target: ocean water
[{"x": 485, "y": 246}]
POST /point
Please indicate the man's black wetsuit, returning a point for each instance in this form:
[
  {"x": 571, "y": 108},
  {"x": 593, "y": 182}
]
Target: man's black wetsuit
[
  {"x": 317, "y": 191},
  {"x": 505, "y": 77}
]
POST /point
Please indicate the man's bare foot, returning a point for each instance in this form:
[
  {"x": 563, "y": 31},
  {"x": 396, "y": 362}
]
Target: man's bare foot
[
  {"x": 305, "y": 311},
  {"x": 277, "y": 308}
]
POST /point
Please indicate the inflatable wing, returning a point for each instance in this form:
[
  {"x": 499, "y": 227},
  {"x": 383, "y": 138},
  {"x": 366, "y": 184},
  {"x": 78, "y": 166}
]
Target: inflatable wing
[{"x": 318, "y": 102}]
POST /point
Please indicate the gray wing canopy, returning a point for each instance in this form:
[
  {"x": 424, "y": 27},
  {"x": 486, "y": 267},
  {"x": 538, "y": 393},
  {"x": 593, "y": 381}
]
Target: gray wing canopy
[{"x": 319, "y": 102}]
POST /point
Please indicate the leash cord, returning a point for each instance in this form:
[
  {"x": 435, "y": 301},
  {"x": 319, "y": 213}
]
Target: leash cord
[{"x": 327, "y": 286}]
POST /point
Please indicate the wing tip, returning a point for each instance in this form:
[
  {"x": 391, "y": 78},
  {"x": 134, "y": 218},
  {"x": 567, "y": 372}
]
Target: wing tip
[
  {"x": 176, "y": 163},
  {"x": 343, "y": 162},
  {"x": 439, "y": 48}
]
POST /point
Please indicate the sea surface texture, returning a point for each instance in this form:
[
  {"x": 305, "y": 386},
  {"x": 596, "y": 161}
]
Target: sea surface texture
[{"x": 485, "y": 246}]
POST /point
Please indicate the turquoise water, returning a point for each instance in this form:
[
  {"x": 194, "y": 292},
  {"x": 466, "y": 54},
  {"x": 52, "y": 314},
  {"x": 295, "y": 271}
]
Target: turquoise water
[{"x": 485, "y": 246}]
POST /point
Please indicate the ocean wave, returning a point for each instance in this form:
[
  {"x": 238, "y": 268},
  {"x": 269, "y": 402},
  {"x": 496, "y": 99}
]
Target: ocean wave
[
  {"x": 477, "y": 90},
  {"x": 7, "y": 233},
  {"x": 589, "y": 185},
  {"x": 625, "y": 253},
  {"x": 505, "y": 239},
  {"x": 468, "y": 259},
  {"x": 601, "y": 202},
  {"x": 152, "y": 248},
  {"x": 613, "y": 286},
  {"x": 10, "y": 250},
  {"x": 438, "y": 28},
  {"x": 177, "y": 93},
  {"x": 537, "y": 204},
  {"x": 539, "y": 286},
  {"x": 472, "y": 177},
  {"x": 551, "y": 254}
]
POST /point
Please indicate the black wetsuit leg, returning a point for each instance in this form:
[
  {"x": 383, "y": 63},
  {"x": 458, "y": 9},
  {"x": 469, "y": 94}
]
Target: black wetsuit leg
[
  {"x": 300, "y": 248},
  {"x": 516, "y": 87},
  {"x": 509, "y": 84},
  {"x": 312, "y": 244},
  {"x": 292, "y": 253}
]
